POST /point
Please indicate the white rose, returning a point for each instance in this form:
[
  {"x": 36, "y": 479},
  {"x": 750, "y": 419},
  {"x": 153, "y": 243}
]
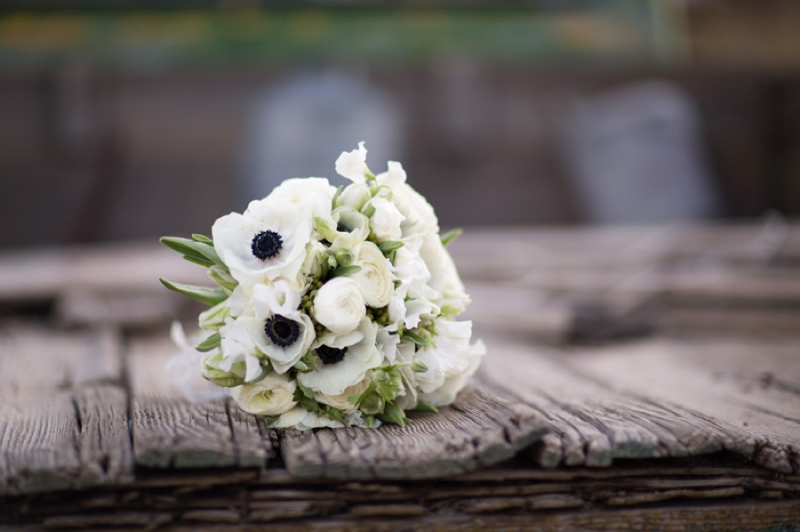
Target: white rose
[
  {"x": 280, "y": 331},
  {"x": 340, "y": 401},
  {"x": 311, "y": 195},
  {"x": 375, "y": 278},
  {"x": 339, "y": 305},
  {"x": 343, "y": 360},
  {"x": 353, "y": 164},
  {"x": 386, "y": 220},
  {"x": 263, "y": 244},
  {"x": 272, "y": 396}
]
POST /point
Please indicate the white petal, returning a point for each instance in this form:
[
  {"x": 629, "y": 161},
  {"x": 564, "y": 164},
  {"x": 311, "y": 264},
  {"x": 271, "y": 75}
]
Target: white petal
[{"x": 352, "y": 165}]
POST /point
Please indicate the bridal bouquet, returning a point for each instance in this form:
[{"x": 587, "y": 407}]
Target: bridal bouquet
[{"x": 333, "y": 307}]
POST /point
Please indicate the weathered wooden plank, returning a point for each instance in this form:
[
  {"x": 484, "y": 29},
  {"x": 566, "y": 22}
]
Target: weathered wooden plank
[
  {"x": 596, "y": 423},
  {"x": 63, "y": 420},
  {"x": 170, "y": 431},
  {"x": 720, "y": 381},
  {"x": 478, "y": 430}
]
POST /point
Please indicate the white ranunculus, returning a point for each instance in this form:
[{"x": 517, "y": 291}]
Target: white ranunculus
[
  {"x": 339, "y": 305},
  {"x": 265, "y": 243},
  {"x": 361, "y": 355},
  {"x": 280, "y": 331},
  {"x": 385, "y": 223},
  {"x": 271, "y": 396},
  {"x": 312, "y": 196},
  {"x": 375, "y": 277},
  {"x": 340, "y": 401},
  {"x": 238, "y": 346},
  {"x": 353, "y": 164},
  {"x": 184, "y": 369}
]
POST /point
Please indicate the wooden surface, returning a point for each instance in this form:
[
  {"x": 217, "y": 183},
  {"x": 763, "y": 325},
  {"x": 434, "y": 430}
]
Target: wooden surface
[{"x": 634, "y": 377}]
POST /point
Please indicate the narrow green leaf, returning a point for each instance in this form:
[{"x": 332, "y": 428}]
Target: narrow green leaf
[
  {"x": 200, "y": 262},
  {"x": 212, "y": 342},
  {"x": 417, "y": 339},
  {"x": 209, "y": 296},
  {"x": 451, "y": 235},
  {"x": 222, "y": 277},
  {"x": 202, "y": 238},
  {"x": 336, "y": 196},
  {"x": 424, "y": 406},
  {"x": 389, "y": 246},
  {"x": 346, "y": 270},
  {"x": 261, "y": 376},
  {"x": 190, "y": 248}
]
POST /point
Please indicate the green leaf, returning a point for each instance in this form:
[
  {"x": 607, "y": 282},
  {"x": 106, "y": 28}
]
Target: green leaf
[
  {"x": 451, "y": 235},
  {"x": 346, "y": 270},
  {"x": 417, "y": 339},
  {"x": 370, "y": 421},
  {"x": 424, "y": 406},
  {"x": 212, "y": 342},
  {"x": 200, "y": 262},
  {"x": 336, "y": 196},
  {"x": 388, "y": 382},
  {"x": 394, "y": 414},
  {"x": 190, "y": 248},
  {"x": 202, "y": 238},
  {"x": 368, "y": 211},
  {"x": 209, "y": 296},
  {"x": 261, "y": 376},
  {"x": 389, "y": 246}
]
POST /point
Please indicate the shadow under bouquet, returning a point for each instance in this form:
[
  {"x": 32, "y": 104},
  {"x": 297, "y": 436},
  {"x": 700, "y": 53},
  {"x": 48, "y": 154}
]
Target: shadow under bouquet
[{"x": 333, "y": 307}]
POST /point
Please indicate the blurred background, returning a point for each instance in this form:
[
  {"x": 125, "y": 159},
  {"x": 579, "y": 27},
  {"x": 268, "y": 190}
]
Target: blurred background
[{"x": 131, "y": 119}]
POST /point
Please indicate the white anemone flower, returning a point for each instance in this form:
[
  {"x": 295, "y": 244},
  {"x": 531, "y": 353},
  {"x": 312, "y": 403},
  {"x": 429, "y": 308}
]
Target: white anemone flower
[
  {"x": 263, "y": 244},
  {"x": 343, "y": 360},
  {"x": 278, "y": 328},
  {"x": 353, "y": 164}
]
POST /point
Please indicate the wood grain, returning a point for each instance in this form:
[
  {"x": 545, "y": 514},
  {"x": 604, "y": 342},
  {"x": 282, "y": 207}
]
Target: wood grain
[
  {"x": 656, "y": 399},
  {"x": 63, "y": 420},
  {"x": 169, "y": 431},
  {"x": 478, "y": 430}
]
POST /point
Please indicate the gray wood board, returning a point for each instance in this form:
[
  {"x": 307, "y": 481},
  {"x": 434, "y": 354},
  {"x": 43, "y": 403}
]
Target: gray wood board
[
  {"x": 657, "y": 398},
  {"x": 170, "y": 431},
  {"x": 63, "y": 421},
  {"x": 478, "y": 430}
]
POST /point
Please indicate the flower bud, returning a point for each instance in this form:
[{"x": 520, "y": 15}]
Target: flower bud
[
  {"x": 343, "y": 257},
  {"x": 372, "y": 404},
  {"x": 418, "y": 366}
]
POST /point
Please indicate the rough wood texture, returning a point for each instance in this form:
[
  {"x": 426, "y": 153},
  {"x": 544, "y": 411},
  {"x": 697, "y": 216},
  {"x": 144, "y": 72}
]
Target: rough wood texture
[
  {"x": 63, "y": 421},
  {"x": 478, "y": 430},
  {"x": 169, "y": 431},
  {"x": 657, "y": 399}
]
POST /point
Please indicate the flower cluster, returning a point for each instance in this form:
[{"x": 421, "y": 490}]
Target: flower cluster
[{"x": 333, "y": 307}]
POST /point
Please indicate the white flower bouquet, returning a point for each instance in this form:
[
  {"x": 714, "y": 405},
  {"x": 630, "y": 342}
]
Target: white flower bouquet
[{"x": 333, "y": 307}]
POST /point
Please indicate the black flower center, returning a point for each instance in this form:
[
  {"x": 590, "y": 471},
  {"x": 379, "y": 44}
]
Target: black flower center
[
  {"x": 282, "y": 331},
  {"x": 330, "y": 355},
  {"x": 266, "y": 244}
]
